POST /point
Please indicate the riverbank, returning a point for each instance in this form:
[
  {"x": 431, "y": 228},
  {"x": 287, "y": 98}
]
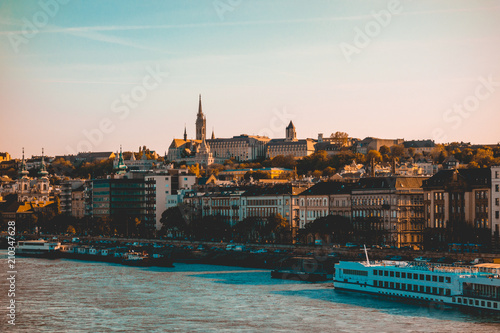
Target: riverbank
[{"x": 270, "y": 256}]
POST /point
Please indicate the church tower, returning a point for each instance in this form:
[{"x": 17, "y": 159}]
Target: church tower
[
  {"x": 201, "y": 124},
  {"x": 291, "y": 135},
  {"x": 23, "y": 182}
]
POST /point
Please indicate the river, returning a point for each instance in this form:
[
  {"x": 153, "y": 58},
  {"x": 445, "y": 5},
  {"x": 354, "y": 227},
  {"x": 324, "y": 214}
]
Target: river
[{"x": 77, "y": 296}]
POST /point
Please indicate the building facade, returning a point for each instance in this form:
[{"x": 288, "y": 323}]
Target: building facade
[
  {"x": 458, "y": 207},
  {"x": 495, "y": 203},
  {"x": 389, "y": 211},
  {"x": 165, "y": 190}
]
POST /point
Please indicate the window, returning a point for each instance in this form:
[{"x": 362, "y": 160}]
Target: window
[{"x": 497, "y": 188}]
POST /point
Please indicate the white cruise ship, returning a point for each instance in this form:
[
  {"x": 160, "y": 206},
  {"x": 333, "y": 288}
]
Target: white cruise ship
[{"x": 465, "y": 286}]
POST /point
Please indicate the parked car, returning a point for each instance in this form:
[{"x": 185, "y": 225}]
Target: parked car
[
  {"x": 351, "y": 245},
  {"x": 239, "y": 248},
  {"x": 443, "y": 260},
  {"x": 422, "y": 259},
  {"x": 477, "y": 261}
]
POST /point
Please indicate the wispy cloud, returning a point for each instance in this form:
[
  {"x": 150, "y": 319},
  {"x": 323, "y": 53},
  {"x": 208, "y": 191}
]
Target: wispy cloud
[{"x": 85, "y": 31}]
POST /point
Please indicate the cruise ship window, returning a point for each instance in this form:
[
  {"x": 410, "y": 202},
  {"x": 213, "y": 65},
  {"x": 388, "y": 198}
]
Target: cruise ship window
[
  {"x": 427, "y": 277},
  {"x": 397, "y": 274},
  {"x": 434, "y": 278},
  {"x": 422, "y": 277},
  {"x": 392, "y": 274},
  {"x": 441, "y": 279},
  {"x": 403, "y": 275},
  {"x": 386, "y": 273}
]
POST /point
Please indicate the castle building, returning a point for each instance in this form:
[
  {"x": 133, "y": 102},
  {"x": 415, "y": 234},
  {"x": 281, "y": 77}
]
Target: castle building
[
  {"x": 290, "y": 145},
  {"x": 215, "y": 150}
]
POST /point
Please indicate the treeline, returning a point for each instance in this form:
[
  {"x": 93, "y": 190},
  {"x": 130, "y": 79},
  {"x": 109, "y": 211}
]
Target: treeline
[{"x": 273, "y": 229}]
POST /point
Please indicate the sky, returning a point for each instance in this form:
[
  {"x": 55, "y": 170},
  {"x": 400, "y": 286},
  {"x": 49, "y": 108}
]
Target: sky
[{"x": 93, "y": 75}]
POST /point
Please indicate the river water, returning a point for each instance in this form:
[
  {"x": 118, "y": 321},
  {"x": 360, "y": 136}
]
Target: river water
[{"x": 77, "y": 296}]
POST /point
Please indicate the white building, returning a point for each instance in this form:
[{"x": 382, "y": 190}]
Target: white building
[{"x": 165, "y": 190}]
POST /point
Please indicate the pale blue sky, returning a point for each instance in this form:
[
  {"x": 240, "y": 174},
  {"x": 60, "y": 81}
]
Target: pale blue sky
[{"x": 251, "y": 62}]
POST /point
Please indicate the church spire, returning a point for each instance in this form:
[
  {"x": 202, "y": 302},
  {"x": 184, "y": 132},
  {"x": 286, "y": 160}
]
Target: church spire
[
  {"x": 200, "y": 112},
  {"x": 201, "y": 124},
  {"x": 213, "y": 134},
  {"x": 185, "y": 133},
  {"x": 24, "y": 171},
  {"x": 43, "y": 170},
  {"x": 121, "y": 167}
]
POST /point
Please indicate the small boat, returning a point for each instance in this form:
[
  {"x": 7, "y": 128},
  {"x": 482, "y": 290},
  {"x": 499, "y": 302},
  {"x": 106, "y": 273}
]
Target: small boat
[
  {"x": 38, "y": 249},
  {"x": 133, "y": 258}
]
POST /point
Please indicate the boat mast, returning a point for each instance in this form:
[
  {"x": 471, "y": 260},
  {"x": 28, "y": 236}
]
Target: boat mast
[{"x": 366, "y": 253}]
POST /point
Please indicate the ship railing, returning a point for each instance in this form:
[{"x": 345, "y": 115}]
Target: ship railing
[{"x": 444, "y": 268}]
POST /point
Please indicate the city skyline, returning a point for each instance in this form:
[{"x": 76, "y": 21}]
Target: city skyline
[{"x": 389, "y": 69}]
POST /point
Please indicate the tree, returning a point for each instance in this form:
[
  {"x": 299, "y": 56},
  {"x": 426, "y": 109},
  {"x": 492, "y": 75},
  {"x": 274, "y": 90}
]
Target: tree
[
  {"x": 281, "y": 161},
  {"x": 172, "y": 222},
  {"x": 373, "y": 155},
  {"x": 195, "y": 169},
  {"x": 384, "y": 150},
  {"x": 397, "y": 151},
  {"x": 247, "y": 229},
  {"x": 338, "y": 227},
  {"x": 71, "y": 230},
  {"x": 279, "y": 228},
  {"x": 340, "y": 138},
  {"x": 259, "y": 174},
  {"x": 328, "y": 172}
]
